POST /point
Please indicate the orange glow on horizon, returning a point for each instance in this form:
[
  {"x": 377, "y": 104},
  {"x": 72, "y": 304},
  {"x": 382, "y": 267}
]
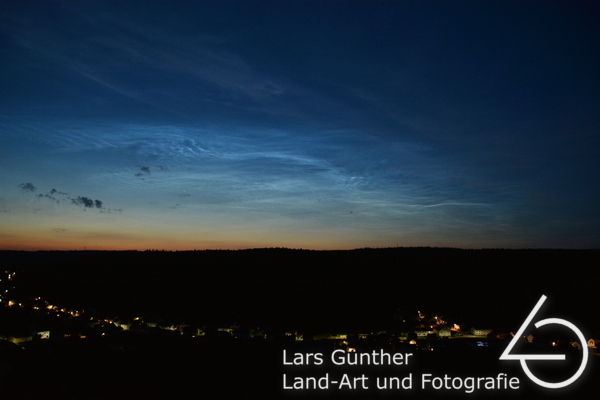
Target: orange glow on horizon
[{"x": 176, "y": 242}]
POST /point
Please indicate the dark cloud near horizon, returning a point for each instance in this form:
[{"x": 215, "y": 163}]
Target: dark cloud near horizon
[
  {"x": 87, "y": 202},
  {"x": 111, "y": 210},
  {"x": 27, "y": 187},
  {"x": 144, "y": 170},
  {"x": 79, "y": 200},
  {"x": 54, "y": 191},
  {"x": 84, "y": 201},
  {"x": 47, "y": 196}
]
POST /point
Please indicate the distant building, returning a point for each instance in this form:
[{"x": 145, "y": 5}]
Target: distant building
[
  {"x": 423, "y": 332},
  {"x": 125, "y": 325},
  {"x": 43, "y": 334},
  {"x": 330, "y": 336},
  {"x": 505, "y": 336},
  {"x": 480, "y": 332},
  {"x": 18, "y": 338},
  {"x": 444, "y": 332},
  {"x": 298, "y": 337},
  {"x": 529, "y": 338}
]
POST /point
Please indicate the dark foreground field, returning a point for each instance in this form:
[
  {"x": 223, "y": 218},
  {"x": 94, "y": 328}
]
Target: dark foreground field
[
  {"x": 179, "y": 368},
  {"x": 316, "y": 289},
  {"x": 282, "y": 290}
]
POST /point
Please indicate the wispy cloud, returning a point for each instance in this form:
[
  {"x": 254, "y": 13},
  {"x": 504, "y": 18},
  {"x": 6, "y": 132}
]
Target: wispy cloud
[
  {"x": 139, "y": 60},
  {"x": 281, "y": 163}
]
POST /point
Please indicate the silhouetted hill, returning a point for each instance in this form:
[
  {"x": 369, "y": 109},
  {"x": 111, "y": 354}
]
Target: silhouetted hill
[{"x": 303, "y": 289}]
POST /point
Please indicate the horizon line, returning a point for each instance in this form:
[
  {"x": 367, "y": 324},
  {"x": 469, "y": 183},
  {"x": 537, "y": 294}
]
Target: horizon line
[{"x": 298, "y": 249}]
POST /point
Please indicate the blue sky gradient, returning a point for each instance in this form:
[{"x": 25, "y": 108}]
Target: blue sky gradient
[{"x": 299, "y": 124}]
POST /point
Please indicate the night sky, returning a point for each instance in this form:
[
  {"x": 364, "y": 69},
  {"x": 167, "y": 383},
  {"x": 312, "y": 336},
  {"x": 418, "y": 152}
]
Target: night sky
[{"x": 323, "y": 125}]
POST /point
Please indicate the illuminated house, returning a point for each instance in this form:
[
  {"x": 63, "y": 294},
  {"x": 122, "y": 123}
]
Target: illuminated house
[
  {"x": 330, "y": 336},
  {"x": 480, "y": 332},
  {"x": 18, "y": 337},
  {"x": 423, "y": 332},
  {"x": 125, "y": 325},
  {"x": 153, "y": 322},
  {"x": 444, "y": 332},
  {"x": 44, "y": 334}
]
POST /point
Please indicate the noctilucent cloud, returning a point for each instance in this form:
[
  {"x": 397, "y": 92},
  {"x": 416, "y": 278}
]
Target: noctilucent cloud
[{"x": 323, "y": 125}]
